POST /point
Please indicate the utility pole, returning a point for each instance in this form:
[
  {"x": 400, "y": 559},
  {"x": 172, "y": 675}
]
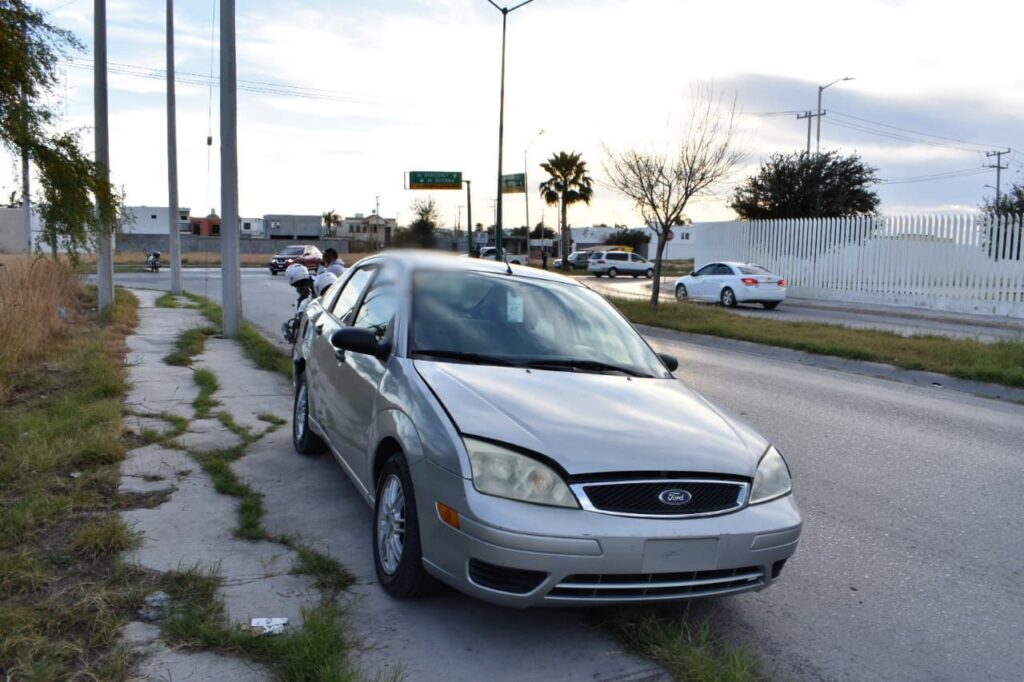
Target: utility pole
[
  {"x": 999, "y": 172},
  {"x": 808, "y": 115},
  {"x": 231, "y": 275},
  {"x": 501, "y": 123},
  {"x": 469, "y": 217},
  {"x": 26, "y": 198},
  {"x": 104, "y": 257},
  {"x": 377, "y": 210},
  {"x": 821, "y": 89},
  {"x": 526, "y": 188},
  {"x": 172, "y": 159},
  {"x": 456, "y": 229}
]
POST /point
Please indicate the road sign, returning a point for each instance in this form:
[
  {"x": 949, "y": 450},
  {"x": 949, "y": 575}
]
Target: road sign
[
  {"x": 435, "y": 180},
  {"x": 669, "y": 236},
  {"x": 513, "y": 184}
]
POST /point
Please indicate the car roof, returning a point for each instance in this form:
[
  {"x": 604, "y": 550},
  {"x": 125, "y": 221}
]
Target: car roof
[{"x": 415, "y": 259}]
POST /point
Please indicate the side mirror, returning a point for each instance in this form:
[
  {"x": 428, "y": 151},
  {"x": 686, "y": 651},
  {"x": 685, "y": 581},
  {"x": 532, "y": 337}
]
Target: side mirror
[
  {"x": 693, "y": 273},
  {"x": 670, "y": 361},
  {"x": 362, "y": 341}
]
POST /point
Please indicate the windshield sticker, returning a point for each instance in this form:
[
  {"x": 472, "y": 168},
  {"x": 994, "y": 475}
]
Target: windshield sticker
[{"x": 515, "y": 309}]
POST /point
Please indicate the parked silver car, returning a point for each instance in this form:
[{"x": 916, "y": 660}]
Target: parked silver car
[
  {"x": 520, "y": 441},
  {"x": 615, "y": 263}
]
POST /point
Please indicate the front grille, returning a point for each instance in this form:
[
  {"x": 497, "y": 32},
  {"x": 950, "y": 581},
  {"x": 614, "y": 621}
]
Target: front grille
[
  {"x": 503, "y": 578},
  {"x": 652, "y": 586},
  {"x": 655, "y": 498}
]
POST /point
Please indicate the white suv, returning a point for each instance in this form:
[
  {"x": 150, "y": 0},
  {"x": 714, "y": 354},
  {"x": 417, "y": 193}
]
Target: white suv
[{"x": 615, "y": 263}]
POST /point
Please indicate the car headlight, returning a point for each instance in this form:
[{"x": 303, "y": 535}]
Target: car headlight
[
  {"x": 505, "y": 473},
  {"x": 772, "y": 478}
]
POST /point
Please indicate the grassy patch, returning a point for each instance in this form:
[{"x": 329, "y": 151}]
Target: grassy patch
[
  {"x": 1001, "y": 362},
  {"x": 167, "y": 300},
  {"x": 262, "y": 352},
  {"x": 316, "y": 651},
  {"x": 63, "y": 593},
  {"x": 242, "y": 432},
  {"x": 330, "y": 576},
  {"x": 204, "y": 402},
  {"x": 271, "y": 419},
  {"x": 189, "y": 344},
  {"x": 689, "y": 652}
]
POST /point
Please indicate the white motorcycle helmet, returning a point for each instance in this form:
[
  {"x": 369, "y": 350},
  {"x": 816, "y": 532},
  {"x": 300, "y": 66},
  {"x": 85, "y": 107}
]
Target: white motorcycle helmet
[
  {"x": 296, "y": 272},
  {"x": 323, "y": 281}
]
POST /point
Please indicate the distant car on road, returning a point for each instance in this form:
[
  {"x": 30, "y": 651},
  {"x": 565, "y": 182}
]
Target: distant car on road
[
  {"x": 577, "y": 260},
  {"x": 479, "y": 412},
  {"x": 731, "y": 283},
  {"x": 615, "y": 263},
  {"x": 491, "y": 253},
  {"x": 307, "y": 255}
]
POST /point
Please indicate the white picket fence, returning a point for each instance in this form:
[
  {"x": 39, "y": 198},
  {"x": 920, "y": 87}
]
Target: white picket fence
[{"x": 957, "y": 262}]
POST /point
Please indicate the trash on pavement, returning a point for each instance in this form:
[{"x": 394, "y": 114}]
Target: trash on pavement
[
  {"x": 75, "y": 474},
  {"x": 268, "y": 626}
]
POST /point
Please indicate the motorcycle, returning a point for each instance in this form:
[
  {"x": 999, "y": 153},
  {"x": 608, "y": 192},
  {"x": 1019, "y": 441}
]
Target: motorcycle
[{"x": 153, "y": 261}]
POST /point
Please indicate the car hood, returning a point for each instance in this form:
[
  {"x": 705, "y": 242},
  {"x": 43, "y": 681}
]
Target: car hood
[{"x": 595, "y": 423}]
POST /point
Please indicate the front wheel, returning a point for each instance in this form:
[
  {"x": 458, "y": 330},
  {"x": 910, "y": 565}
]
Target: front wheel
[
  {"x": 397, "y": 555},
  {"x": 649, "y": 274},
  {"x": 612, "y": 272},
  {"x": 273, "y": 272},
  {"x": 305, "y": 441},
  {"x": 681, "y": 293},
  {"x": 728, "y": 298}
]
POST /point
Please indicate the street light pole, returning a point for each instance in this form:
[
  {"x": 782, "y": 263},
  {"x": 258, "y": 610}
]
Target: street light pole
[
  {"x": 469, "y": 217},
  {"x": 501, "y": 123},
  {"x": 231, "y": 275},
  {"x": 104, "y": 257},
  {"x": 172, "y": 160},
  {"x": 821, "y": 89},
  {"x": 526, "y": 189}
]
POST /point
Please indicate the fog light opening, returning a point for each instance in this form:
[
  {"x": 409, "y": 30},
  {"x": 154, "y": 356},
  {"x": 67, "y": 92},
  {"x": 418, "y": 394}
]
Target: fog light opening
[
  {"x": 448, "y": 515},
  {"x": 777, "y": 568}
]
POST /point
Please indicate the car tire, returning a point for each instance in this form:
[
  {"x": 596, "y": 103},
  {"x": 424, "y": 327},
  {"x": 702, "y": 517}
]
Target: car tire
[
  {"x": 635, "y": 276},
  {"x": 613, "y": 273},
  {"x": 598, "y": 275},
  {"x": 401, "y": 576},
  {"x": 273, "y": 272},
  {"x": 770, "y": 305},
  {"x": 681, "y": 293},
  {"x": 303, "y": 439},
  {"x": 728, "y": 298}
]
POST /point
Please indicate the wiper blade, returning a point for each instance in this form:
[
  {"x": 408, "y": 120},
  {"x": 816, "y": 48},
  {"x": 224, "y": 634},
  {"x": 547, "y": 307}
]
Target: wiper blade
[
  {"x": 477, "y": 358},
  {"x": 592, "y": 365}
]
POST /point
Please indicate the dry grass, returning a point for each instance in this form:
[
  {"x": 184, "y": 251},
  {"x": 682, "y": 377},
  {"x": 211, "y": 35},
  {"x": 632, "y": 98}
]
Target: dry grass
[{"x": 38, "y": 298}]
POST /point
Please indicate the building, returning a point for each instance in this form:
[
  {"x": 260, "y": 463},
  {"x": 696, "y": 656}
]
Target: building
[
  {"x": 152, "y": 219},
  {"x": 284, "y": 226},
  {"x": 205, "y": 227},
  {"x": 251, "y": 228},
  {"x": 372, "y": 229}
]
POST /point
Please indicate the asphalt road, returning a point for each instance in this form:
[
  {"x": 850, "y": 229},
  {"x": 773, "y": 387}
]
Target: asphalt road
[{"x": 911, "y": 566}]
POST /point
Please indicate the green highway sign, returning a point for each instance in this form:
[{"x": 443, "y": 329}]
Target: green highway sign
[
  {"x": 513, "y": 184},
  {"x": 435, "y": 180}
]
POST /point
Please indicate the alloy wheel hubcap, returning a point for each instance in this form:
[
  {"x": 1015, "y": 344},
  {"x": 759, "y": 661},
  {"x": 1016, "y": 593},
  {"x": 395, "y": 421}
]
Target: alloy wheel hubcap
[{"x": 391, "y": 524}]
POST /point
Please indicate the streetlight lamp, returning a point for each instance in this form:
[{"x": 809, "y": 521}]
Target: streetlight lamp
[
  {"x": 821, "y": 89},
  {"x": 526, "y": 189},
  {"x": 501, "y": 121}
]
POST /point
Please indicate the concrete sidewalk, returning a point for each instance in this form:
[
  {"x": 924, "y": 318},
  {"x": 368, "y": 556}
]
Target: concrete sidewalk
[{"x": 449, "y": 636}]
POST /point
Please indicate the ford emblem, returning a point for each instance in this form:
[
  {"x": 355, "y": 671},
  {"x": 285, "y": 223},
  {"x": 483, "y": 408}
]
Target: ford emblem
[{"x": 675, "y": 496}]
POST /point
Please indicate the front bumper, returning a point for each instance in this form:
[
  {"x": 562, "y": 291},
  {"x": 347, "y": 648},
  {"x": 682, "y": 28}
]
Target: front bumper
[{"x": 569, "y": 557}]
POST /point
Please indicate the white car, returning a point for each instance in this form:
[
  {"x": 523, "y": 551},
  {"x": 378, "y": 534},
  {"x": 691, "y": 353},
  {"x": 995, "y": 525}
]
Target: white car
[
  {"x": 614, "y": 263},
  {"x": 491, "y": 253},
  {"x": 732, "y": 283}
]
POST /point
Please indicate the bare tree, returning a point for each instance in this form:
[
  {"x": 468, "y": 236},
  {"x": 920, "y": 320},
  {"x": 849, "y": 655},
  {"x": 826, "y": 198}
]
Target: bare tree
[{"x": 704, "y": 153}]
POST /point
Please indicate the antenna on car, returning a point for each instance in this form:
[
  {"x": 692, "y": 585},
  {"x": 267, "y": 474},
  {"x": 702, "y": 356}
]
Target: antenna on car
[{"x": 504, "y": 257}]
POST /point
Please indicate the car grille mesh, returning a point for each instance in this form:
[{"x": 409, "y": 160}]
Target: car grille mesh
[
  {"x": 647, "y": 586},
  {"x": 503, "y": 578},
  {"x": 706, "y": 497}
]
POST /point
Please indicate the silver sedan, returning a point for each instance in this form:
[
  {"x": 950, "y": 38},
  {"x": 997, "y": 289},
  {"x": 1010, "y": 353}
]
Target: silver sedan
[{"x": 491, "y": 416}]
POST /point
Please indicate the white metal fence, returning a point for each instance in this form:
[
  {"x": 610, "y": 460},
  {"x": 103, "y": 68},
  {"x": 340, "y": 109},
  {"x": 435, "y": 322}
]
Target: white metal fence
[{"x": 956, "y": 262}]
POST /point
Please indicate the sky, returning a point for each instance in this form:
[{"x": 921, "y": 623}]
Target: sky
[{"x": 342, "y": 97}]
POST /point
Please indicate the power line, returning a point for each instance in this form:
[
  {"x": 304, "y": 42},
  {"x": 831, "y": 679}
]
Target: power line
[
  {"x": 908, "y": 130},
  {"x": 948, "y": 175},
  {"x": 900, "y": 137}
]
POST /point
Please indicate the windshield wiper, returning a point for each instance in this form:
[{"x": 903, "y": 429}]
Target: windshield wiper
[
  {"x": 476, "y": 358},
  {"x": 591, "y": 365}
]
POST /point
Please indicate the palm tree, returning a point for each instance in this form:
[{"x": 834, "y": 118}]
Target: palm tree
[
  {"x": 331, "y": 220},
  {"x": 568, "y": 184}
]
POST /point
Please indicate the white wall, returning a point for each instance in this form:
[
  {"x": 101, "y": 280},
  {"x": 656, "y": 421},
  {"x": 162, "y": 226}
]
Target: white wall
[
  {"x": 12, "y": 230},
  {"x": 152, "y": 219}
]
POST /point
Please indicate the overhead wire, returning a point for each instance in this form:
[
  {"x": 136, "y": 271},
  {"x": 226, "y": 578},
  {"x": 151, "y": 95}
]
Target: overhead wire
[{"x": 984, "y": 146}]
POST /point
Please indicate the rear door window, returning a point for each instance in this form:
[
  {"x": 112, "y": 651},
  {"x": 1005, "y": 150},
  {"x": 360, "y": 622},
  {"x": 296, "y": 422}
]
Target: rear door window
[
  {"x": 617, "y": 256},
  {"x": 723, "y": 270}
]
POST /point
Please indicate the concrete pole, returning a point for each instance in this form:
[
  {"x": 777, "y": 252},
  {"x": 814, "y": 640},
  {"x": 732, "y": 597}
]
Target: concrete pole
[
  {"x": 172, "y": 159},
  {"x": 499, "y": 246},
  {"x": 231, "y": 275},
  {"x": 104, "y": 256},
  {"x": 469, "y": 217},
  {"x": 26, "y": 200}
]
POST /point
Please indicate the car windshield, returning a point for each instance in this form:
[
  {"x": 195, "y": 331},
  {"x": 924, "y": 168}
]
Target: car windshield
[
  {"x": 753, "y": 270},
  {"x": 292, "y": 251},
  {"x": 502, "y": 320}
]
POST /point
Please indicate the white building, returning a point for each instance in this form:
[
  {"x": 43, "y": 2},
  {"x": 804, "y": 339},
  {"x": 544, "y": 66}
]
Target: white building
[
  {"x": 371, "y": 228},
  {"x": 251, "y": 228},
  {"x": 152, "y": 219}
]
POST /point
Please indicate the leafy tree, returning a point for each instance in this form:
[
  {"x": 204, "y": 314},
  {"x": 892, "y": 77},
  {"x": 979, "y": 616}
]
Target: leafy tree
[
  {"x": 542, "y": 231},
  {"x": 568, "y": 183},
  {"x": 331, "y": 221},
  {"x": 1010, "y": 201},
  {"x": 635, "y": 239},
  {"x": 420, "y": 232},
  {"x": 703, "y": 153},
  {"x": 77, "y": 201},
  {"x": 802, "y": 185}
]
